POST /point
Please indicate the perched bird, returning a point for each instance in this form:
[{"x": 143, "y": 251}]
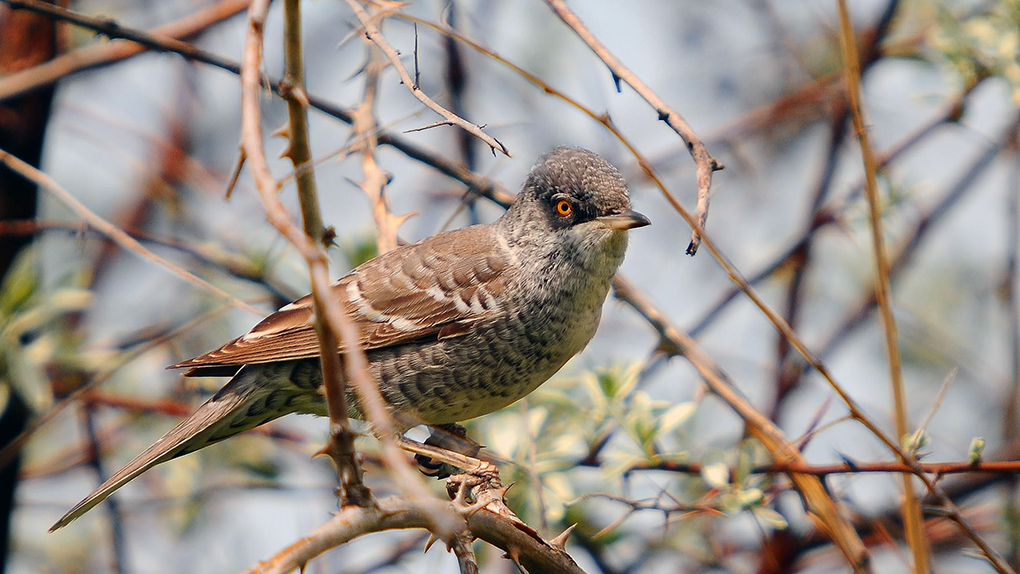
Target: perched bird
[{"x": 455, "y": 326}]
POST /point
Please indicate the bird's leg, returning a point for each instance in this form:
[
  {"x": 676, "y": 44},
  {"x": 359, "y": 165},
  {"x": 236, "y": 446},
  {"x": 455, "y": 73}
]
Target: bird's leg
[
  {"x": 451, "y": 437},
  {"x": 454, "y": 459}
]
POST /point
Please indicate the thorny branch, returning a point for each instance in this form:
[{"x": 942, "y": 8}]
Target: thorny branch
[
  {"x": 330, "y": 318},
  {"x": 706, "y": 164},
  {"x": 375, "y": 35}
]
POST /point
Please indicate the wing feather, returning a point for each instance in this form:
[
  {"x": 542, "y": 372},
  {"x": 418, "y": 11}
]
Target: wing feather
[{"x": 419, "y": 291}]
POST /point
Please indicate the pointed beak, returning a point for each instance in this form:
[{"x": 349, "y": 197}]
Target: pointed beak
[{"x": 626, "y": 220}]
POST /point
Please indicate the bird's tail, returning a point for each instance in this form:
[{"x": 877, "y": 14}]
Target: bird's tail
[{"x": 245, "y": 402}]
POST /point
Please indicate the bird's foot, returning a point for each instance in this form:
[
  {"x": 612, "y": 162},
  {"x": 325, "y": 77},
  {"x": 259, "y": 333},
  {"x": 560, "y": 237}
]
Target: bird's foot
[{"x": 450, "y": 437}]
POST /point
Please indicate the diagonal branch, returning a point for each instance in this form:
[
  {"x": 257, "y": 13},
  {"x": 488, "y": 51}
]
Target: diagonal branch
[
  {"x": 373, "y": 34},
  {"x": 114, "y": 233},
  {"x": 706, "y": 165}
]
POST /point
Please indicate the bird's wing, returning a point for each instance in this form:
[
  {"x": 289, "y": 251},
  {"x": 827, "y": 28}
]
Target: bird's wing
[{"x": 436, "y": 288}]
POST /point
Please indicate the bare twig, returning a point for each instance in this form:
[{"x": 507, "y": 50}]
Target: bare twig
[
  {"x": 366, "y": 129},
  {"x": 705, "y": 163},
  {"x": 938, "y": 469},
  {"x": 132, "y": 42},
  {"x": 373, "y": 34},
  {"x": 852, "y": 76},
  {"x": 114, "y": 233},
  {"x": 341, "y": 437}
]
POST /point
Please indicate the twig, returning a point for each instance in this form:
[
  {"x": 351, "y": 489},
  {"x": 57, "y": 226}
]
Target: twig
[
  {"x": 373, "y": 34},
  {"x": 114, "y": 233},
  {"x": 164, "y": 38},
  {"x": 852, "y": 77},
  {"x": 705, "y": 164},
  {"x": 366, "y": 129},
  {"x": 1005, "y": 467},
  {"x": 341, "y": 437},
  {"x": 113, "y": 509}
]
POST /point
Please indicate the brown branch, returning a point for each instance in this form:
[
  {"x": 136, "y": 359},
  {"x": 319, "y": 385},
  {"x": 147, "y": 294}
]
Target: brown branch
[
  {"x": 375, "y": 35},
  {"x": 341, "y": 437},
  {"x": 114, "y": 233},
  {"x": 852, "y": 77},
  {"x": 367, "y": 128},
  {"x": 937, "y": 469},
  {"x": 126, "y": 42},
  {"x": 392, "y": 513},
  {"x": 813, "y": 491},
  {"x": 706, "y": 165}
]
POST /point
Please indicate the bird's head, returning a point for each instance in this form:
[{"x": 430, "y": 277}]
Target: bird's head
[{"x": 580, "y": 199}]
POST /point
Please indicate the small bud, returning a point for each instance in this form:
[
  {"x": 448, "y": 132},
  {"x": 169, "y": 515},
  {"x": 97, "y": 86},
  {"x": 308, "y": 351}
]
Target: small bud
[
  {"x": 977, "y": 448},
  {"x": 915, "y": 441}
]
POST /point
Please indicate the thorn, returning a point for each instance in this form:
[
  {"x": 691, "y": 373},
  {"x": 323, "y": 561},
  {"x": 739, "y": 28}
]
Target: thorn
[
  {"x": 560, "y": 542},
  {"x": 514, "y": 557},
  {"x": 400, "y": 219},
  {"x": 471, "y": 510},
  {"x": 282, "y": 132},
  {"x": 324, "y": 451},
  {"x": 236, "y": 173},
  {"x": 503, "y": 489},
  {"x": 428, "y": 544}
]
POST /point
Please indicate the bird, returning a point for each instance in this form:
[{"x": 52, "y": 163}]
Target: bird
[{"x": 455, "y": 326}]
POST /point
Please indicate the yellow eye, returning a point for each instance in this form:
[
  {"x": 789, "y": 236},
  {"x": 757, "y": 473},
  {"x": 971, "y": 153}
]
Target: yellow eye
[{"x": 563, "y": 208}]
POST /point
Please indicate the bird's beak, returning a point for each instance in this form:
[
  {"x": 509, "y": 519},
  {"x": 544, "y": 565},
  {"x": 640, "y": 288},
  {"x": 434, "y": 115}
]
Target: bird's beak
[{"x": 627, "y": 220}]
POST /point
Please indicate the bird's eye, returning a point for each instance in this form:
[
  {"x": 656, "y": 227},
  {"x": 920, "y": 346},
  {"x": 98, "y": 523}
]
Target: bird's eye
[{"x": 563, "y": 208}]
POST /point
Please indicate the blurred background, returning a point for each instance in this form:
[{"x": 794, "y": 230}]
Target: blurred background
[{"x": 149, "y": 143}]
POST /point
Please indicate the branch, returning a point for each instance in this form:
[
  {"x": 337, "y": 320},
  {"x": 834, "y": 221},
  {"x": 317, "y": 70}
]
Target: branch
[
  {"x": 706, "y": 165},
  {"x": 366, "y": 129},
  {"x": 373, "y": 34},
  {"x": 938, "y": 469},
  {"x": 813, "y": 491},
  {"x": 341, "y": 437},
  {"x": 165, "y": 38},
  {"x": 912, "y": 520},
  {"x": 114, "y": 233},
  {"x": 519, "y": 542}
]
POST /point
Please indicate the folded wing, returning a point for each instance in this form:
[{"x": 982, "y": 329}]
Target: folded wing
[{"x": 411, "y": 293}]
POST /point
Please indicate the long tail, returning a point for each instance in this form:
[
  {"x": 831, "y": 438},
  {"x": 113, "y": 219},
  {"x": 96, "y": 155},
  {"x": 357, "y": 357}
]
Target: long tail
[{"x": 246, "y": 401}]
